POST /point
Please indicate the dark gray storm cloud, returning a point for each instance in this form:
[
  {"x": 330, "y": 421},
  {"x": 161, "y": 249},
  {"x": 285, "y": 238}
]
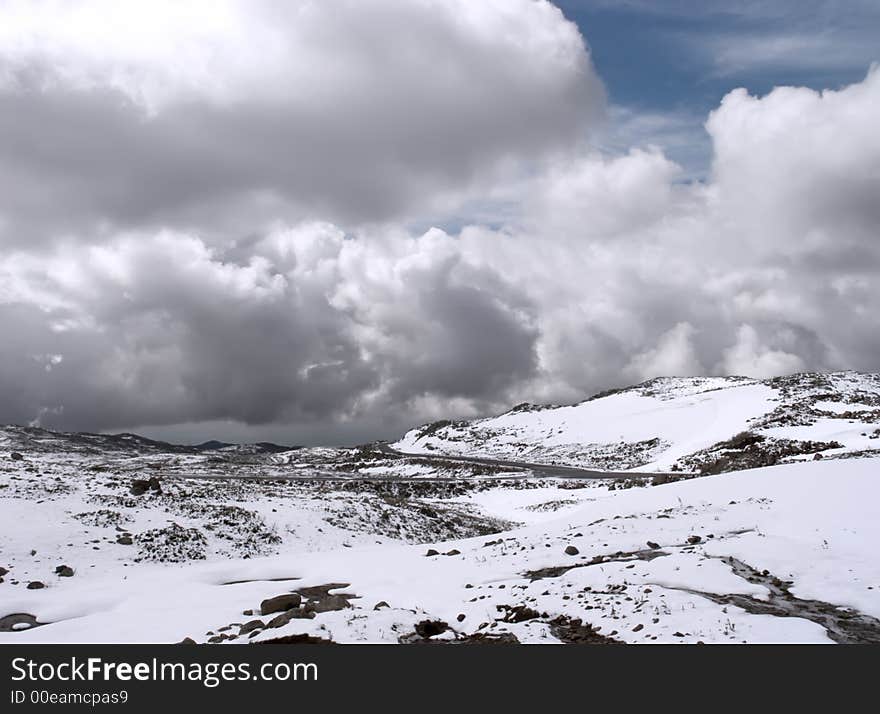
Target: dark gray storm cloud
[
  {"x": 206, "y": 222},
  {"x": 156, "y": 329}
]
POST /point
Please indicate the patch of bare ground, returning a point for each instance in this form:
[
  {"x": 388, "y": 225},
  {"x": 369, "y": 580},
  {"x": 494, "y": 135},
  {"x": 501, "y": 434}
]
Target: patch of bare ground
[
  {"x": 576, "y": 632},
  {"x": 556, "y": 571},
  {"x": 843, "y": 625}
]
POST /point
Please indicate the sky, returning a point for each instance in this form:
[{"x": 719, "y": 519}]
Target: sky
[
  {"x": 322, "y": 223},
  {"x": 668, "y": 63}
]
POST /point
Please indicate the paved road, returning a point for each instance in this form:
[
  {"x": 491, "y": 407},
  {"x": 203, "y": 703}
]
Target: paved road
[
  {"x": 546, "y": 470},
  {"x": 520, "y": 470}
]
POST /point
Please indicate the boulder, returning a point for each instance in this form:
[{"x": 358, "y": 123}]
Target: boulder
[
  {"x": 18, "y": 621},
  {"x": 280, "y": 603},
  {"x": 429, "y": 628},
  {"x": 140, "y": 486},
  {"x": 285, "y": 617},
  {"x": 331, "y": 603},
  {"x": 250, "y": 626}
]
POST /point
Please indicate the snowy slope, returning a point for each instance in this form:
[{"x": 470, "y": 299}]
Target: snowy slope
[
  {"x": 677, "y": 424},
  {"x": 116, "y": 538},
  {"x": 773, "y": 555}
]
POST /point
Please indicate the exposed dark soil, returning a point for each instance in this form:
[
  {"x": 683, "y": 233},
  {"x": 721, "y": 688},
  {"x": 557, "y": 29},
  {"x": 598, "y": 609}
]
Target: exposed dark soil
[
  {"x": 295, "y": 640},
  {"x": 749, "y": 450},
  {"x": 618, "y": 557},
  {"x": 843, "y": 625},
  {"x": 577, "y": 632}
]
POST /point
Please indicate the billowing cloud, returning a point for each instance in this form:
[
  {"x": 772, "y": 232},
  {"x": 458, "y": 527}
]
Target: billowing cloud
[
  {"x": 157, "y": 328},
  {"x": 229, "y": 115},
  {"x": 207, "y": 301},
  {"x": 673, "y": 356},
  {"x": 749, "y": 356}
]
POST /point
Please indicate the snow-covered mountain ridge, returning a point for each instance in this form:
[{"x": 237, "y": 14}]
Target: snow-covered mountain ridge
[
  {"x": 34, "y": 439},
  {"x": 688, "y": 424}
]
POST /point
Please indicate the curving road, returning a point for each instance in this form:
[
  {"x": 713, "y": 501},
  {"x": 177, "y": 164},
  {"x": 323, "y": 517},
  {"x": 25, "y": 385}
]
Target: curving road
[{"x": 546, "y": 470}]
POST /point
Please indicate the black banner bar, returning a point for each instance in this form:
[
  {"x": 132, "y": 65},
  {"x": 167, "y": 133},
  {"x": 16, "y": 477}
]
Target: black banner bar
[{"x": 113, "y": 676}]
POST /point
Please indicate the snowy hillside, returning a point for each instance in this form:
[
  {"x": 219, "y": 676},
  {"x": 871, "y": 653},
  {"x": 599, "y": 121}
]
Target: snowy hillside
[
  {"x": 698, "y": 424},
  {"x": 770, "y": 555},
  {"x": 219, "y": 543}
]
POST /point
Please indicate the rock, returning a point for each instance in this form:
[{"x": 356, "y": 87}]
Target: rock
[
  {"x": 694, "y": 539},
  {"x": 652, "y": 545},
  {"x": 124, "y": 540},
  {"x": 381, "y": 605},
  {"x": 280, "y": 603},
  {"x": 430, "y": 628},
  {"x": 18, "y": 621},
  {"x": 64, "y": 571},
  {"x": 518, "y": 613},
  {"x": 480, "y": 638},
  {"x": 285, "y": 617},
  {"x": 578, "y": 632},
  {"x": 638, "y": 628},
  {"x": 460, "y": 617},
  {"x": 250, "y": 626},
  {"x": 431, "y": 552},
  {"x": 187, "y": 641},
  {"x": 817, "y": 457},
  {"x": 3, "y": 571},
  {"x": 453, "y": 552},
  {"x": 331, "y": 603},
  {"x": 247, "y": 613},
  {"x": 301, "y": 639},
  {"x": 35, "y": 585},
  {"x": 15, "y": 456},
  {"x": 140, "y": 486},
  {"x": 571, "y": 550}
]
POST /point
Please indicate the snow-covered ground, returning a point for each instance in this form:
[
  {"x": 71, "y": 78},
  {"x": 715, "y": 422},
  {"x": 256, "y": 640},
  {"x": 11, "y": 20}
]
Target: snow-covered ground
[
  {"x": 116, "y": 539},
  {"x": 670, "y": 423},
  {"x": 652, "y": 566}
]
